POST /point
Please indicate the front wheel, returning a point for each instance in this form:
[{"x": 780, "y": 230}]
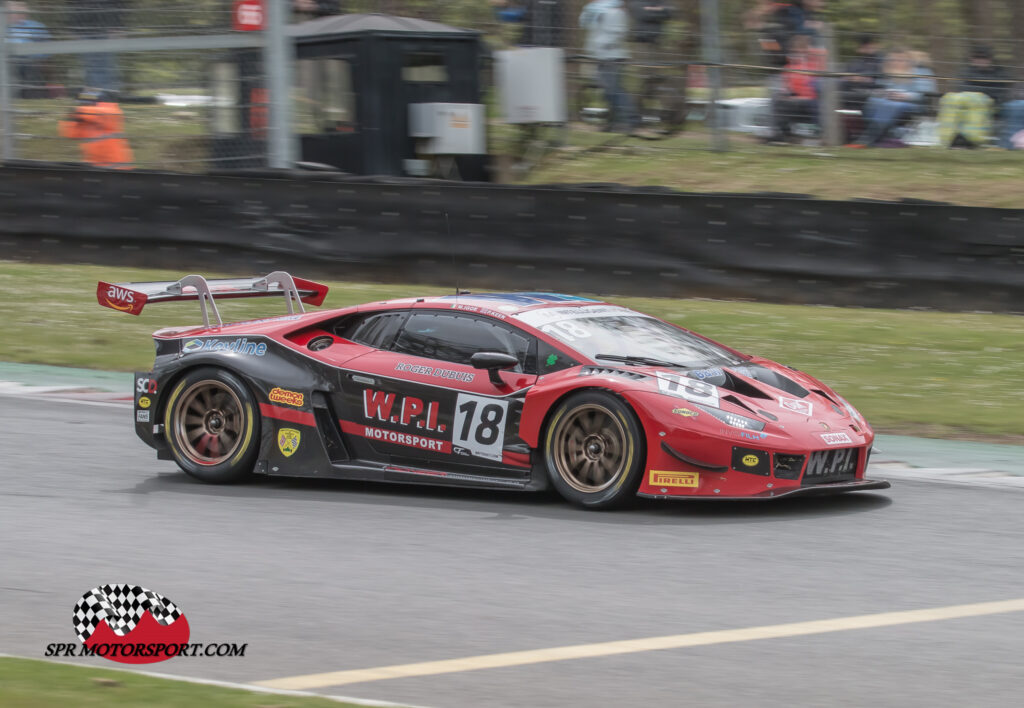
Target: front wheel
[
  {"x": 212, "y": 426},
  {"x": 594, "y": 450}
]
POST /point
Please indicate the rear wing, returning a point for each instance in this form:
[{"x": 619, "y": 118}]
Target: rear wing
[{"x": 132, "y": 297}]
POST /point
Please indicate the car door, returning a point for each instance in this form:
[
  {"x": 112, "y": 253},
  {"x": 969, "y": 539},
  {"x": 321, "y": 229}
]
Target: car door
[{"x": 419, "y": 402}]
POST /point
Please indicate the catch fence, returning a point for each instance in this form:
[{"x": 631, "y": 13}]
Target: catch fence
[{"x": 700, "y": 79}]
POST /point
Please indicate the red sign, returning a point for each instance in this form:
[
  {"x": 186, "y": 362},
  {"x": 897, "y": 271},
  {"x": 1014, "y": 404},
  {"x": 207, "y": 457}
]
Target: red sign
[
  {"x": 247, "y": 15},
  {"x": 118, "y": 297}
]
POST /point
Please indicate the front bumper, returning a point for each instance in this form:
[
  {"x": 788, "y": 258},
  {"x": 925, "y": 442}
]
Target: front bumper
[{"x": 819, "y": 490}]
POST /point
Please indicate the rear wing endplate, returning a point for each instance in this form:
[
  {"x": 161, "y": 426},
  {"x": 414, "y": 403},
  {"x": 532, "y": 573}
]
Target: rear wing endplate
[{"x": 132, "y": 297}]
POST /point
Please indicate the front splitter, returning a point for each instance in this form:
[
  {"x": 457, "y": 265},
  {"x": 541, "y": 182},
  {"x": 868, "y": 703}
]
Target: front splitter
[{"x": 818, "y": 490}]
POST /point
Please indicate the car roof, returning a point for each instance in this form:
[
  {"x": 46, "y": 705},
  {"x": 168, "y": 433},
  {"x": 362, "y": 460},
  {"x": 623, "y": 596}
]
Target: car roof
[{"x": 500, "y": 305}]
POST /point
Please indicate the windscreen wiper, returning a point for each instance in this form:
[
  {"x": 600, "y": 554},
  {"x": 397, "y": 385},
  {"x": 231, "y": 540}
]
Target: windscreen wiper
[{"x": 641, "y": 360}]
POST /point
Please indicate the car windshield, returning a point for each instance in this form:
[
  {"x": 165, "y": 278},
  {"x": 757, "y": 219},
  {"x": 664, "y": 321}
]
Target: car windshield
[{"x": 631, "y": 338}]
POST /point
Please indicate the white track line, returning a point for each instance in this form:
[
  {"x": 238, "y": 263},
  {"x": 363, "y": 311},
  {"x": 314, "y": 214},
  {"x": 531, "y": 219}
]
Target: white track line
[
  {"x": 633, "y": 646},
  {"x": 60, "y": 399}
]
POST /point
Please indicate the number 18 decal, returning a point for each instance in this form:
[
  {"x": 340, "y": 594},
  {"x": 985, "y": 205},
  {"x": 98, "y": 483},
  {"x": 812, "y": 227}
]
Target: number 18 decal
[{"x": 480, "y": 425}]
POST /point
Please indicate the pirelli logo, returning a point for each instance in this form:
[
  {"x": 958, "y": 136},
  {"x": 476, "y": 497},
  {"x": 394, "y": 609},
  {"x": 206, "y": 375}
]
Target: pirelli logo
[{"x": 674, "y": 479}]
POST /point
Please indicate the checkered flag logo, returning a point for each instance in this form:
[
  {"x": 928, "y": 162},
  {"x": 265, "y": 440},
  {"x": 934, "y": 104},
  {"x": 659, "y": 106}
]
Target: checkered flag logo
[{"x": 122, "y": 606}]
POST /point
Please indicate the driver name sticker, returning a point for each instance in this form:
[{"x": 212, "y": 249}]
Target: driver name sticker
[
  {"x": 480, "y": 425},
  {"x": 690, "y": 389},
  {"x": 547, "y": 315}
]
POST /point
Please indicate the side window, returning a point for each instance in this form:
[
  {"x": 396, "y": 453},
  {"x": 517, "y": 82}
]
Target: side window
[
  {"x": 376, "y": 330},
  {"x": 550, "y": 360},
  {"x": 456, "y": 338},
  {"x": 322, "y": 99},
  {"x": 427, "y": 68}
]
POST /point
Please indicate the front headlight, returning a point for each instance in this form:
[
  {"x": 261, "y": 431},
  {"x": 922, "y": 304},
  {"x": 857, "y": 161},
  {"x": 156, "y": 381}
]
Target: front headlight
[
  {"x": 851, "y": 410},
  {"x": 736, "y": 421}
]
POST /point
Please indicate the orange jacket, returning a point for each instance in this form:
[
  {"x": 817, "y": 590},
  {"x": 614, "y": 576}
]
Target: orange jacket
[
  {"x": 804, "y": 85},
  {"x": 100, "y": 127}
]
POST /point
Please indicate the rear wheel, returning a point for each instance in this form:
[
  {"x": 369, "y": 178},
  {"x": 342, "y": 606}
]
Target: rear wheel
[
  {"x": 212, "y": 426},
  {"x": 593, "y": 448}
]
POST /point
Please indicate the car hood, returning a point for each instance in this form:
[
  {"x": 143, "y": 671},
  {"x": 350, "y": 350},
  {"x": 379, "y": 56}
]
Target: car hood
[{"x": 790, "y": 403}]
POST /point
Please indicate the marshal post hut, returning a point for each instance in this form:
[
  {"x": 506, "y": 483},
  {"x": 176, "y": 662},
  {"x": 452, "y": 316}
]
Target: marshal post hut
[{"x": 373, "y": 95}]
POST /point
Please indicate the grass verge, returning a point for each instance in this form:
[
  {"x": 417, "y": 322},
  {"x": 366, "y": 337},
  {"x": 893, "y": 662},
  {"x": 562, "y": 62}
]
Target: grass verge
[
  {"x": 26, "y": 683},
  {"x": 988, "y": 177},
  {"x": 927, "y": 373},
  {"x": 167, "y": 137}
]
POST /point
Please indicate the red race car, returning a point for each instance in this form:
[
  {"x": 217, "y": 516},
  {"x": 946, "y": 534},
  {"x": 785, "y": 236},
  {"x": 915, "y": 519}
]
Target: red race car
[{"x": 506, "y": 391}]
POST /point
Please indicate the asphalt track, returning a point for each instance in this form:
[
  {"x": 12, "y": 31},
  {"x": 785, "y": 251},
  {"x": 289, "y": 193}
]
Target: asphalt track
[{"x": 326, "y": 577}]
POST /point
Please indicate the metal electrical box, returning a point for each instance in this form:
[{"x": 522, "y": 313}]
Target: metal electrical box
[
  {"x": 531, "y": 84},
  {"x": 448, "y": 128}
]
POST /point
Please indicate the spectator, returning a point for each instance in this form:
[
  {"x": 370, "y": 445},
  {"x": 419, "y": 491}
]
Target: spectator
[
  {"x": 543, "y": 21},
  {"x": 965, "y": 116},
  {"x": 902, "y": 92},
  {"x": 92, "y": 20},
  {"x": 780, "y": 22},
  {"x": 607, "y": 27},
  {"x": 797, "y": 102},
  {"x": 814, "y": 21},
  {"x": 28, "y": 70},
  {"x": 1012, "y": 133},
  {"x": 863, "y": 72},
  {"x": 775, "y": 23},
  {"x": 648, "y": 18},
  {"x": 98, "y": 123}
]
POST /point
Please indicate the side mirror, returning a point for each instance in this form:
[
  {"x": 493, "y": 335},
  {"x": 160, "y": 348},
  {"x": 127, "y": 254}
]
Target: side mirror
[{"x": 493, "y": 362}]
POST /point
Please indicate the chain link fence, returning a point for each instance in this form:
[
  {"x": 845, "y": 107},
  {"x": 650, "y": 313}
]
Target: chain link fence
[
  {"x": 683, "y": 74},
  {"x": 173, "y": 70}
]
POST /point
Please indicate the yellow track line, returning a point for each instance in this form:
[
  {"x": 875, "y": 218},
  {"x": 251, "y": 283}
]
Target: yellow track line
[{"x": 632, "y": 646}]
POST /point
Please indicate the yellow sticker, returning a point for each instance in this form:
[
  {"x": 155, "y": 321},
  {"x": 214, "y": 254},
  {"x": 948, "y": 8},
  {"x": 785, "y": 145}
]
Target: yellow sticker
[
  {"x": 291, "y": 398},
  {"x": 751, "y": 460},
  {"x": 674, "y": 479},
  {"x": 686, "y": 412},
  {"x": 144, "y": 402},
  {"x": 288, "y": 440}
]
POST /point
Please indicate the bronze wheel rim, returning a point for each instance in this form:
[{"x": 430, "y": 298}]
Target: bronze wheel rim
[
  {"x": 208, "y": 422},
  {"x": 589, "y": 446}
]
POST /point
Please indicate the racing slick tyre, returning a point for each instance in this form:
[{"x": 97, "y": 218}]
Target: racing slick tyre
[
  {"x": 594, "y": 450},
  {"x": 212, "y": 425}
]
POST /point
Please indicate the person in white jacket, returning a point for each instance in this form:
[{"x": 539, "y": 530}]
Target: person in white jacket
[{"x": 607, "y": 26}]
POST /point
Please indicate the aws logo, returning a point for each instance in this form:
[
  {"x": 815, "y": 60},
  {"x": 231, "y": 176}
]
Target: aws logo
[
  {"x": 120, "y": 298},
  {"x": 121, "y": 294}
]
